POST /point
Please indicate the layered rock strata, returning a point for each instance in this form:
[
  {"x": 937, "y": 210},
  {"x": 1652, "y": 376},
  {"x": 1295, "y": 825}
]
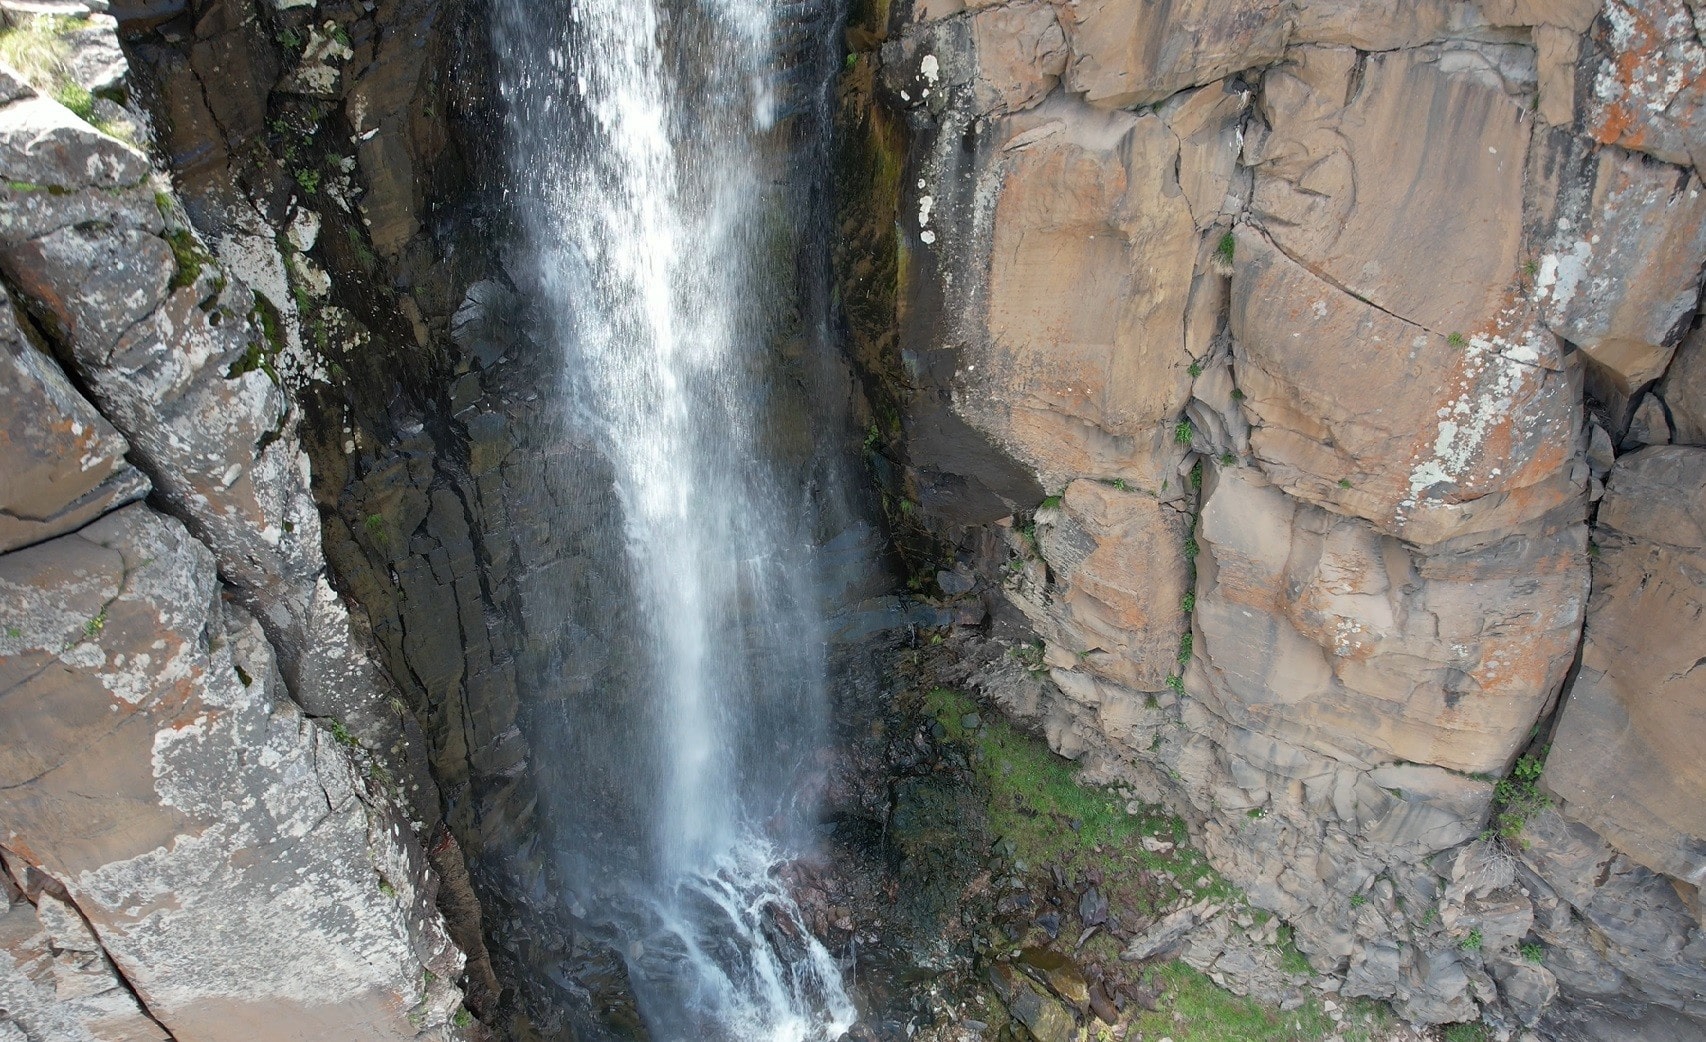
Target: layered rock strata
[{"x": 1270, "y": 362}]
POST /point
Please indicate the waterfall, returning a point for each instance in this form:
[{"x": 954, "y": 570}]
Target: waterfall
[{"x": 654, "y": 168}]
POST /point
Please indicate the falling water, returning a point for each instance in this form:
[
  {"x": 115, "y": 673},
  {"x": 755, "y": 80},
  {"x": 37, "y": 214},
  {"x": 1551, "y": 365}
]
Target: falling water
[{"x": 654, "y": 166}]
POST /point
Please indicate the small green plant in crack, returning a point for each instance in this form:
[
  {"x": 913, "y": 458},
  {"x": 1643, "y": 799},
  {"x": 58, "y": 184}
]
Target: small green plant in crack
[
  {"x": 1185, "y": 643},
  {"x": 1195, "y": 370},
  {"x": 1518, "y": 798},
  {"x": 386, "y": 888},
  {"x": 1227, "y": 459},
  {"x": 1177, "y": 683},
  {"x": 308, "y": 181},
  {"x": 289, "y": 39},
  {"x": 1456, "y": 340},
  {"x": 1472, "y": 942},
  {"x": 1358, "y": 900},
  {"x": 1183, "y": 432},
  {"x": 1533, "y": 953},
  {"x": 463, "y": 1018},
  {"x": 1188, "y": 604},
  {"x": 375, "y": 525},
  {"x": 187, "y": 255},
  {"x": 1344, "y": 482},
  {"x": 94, "y": 626},
  {"x": 1223, "y": 253},
  {"x": 342, "y": 734},
  {"x": 14, "y": 632},
  {"x": 1192, "y": 549},
  {"x": 1196, "y": 474}
]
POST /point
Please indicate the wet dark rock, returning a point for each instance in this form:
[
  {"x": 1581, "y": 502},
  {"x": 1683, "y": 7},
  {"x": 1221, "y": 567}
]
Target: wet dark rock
[
  {"x": 1059, "y": 972},
  {"x": 1093, "y": 907},
  {"x": 1045, "y": 1016}
]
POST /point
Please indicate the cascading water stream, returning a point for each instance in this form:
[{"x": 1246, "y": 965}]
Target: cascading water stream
[{"x": 658, "y": 193}]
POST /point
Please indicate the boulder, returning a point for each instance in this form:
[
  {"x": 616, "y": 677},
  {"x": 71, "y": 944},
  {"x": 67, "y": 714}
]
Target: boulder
[{"x": 1626, "y": 755}]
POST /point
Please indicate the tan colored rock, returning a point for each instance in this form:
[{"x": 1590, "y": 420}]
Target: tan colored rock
[
  {"x": 1209, "y": 125},
  {"x": 1648, "y": 93},
  {"x": 1557, "y": 52},
  {"x": 1021, "y": 53},
  {"x": 1377, "y": 25},
  {"x": 1127, "y": 53},
  {"x": 1574, "y": 15},
  {"x": 1409, "y": 195},
  {"x": 1318, "y": 630},
  {"x": 1430, "y": 436},
  {"x": 1084, "y": 372},
  {"x": 61, "y": 463},
  {"x": 1622, "y": 276},
  {"x": 1119, "y": 576},
  {"x": 1626, "y": 757},
  {"x": 1684, "y": 390}
]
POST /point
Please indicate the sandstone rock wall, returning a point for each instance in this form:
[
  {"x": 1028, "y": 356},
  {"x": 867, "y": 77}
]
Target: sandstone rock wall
[
  {"x": 1294, "y": 371},
  {"x": 186, "y": 852}
]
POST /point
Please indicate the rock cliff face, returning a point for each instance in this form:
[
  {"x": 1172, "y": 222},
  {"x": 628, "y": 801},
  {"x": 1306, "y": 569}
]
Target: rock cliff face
[
  {"x": 1319, "y": 381},
  {"x": 187, "y": 851}
]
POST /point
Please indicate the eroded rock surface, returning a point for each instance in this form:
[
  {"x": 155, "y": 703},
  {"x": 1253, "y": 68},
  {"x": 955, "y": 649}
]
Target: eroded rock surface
[
  {"x": 187, "y": 854},
  {"x": 1464, "y": 259}
]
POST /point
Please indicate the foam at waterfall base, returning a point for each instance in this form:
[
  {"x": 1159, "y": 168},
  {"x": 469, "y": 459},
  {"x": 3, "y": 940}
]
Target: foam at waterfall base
[{"x": 726, "y": 955}]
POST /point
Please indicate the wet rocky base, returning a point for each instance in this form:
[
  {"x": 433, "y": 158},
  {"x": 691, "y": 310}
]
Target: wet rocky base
[{"x": 975, "y": 887}]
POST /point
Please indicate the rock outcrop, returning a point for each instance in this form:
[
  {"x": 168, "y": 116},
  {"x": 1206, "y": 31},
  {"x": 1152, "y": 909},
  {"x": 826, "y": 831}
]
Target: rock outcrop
[
  {"x": 186, "y": 852},
  {"x": 1288, "y": 350}
]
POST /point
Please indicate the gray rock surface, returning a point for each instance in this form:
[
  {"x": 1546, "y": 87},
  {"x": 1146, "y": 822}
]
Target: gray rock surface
[{"x": 187, "y": 854}]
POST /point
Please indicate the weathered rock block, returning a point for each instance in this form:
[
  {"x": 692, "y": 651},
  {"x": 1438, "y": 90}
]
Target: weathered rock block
[
  {"x": 1626, "y": 757},
  {"x": 1322, "y": 632},
  {"x": 1120, "y": 575},
  {"x": 1429, "y": 435},
  {"x": 1128, "y": 52},
  {"x": 1648, "y": 91},
  {"x": 1407, "y": 195},
  {"x": 220, "y": 847},
  {"x": 1684, "y": 390},
  {"x": 1093, "y": 248},
  {"x": 1623, "y": 275},
  {"x": 55, "y": 980}
]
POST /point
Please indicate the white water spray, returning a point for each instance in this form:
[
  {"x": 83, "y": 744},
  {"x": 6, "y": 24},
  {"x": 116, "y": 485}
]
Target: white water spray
[{"x": 650, "y": 190}]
